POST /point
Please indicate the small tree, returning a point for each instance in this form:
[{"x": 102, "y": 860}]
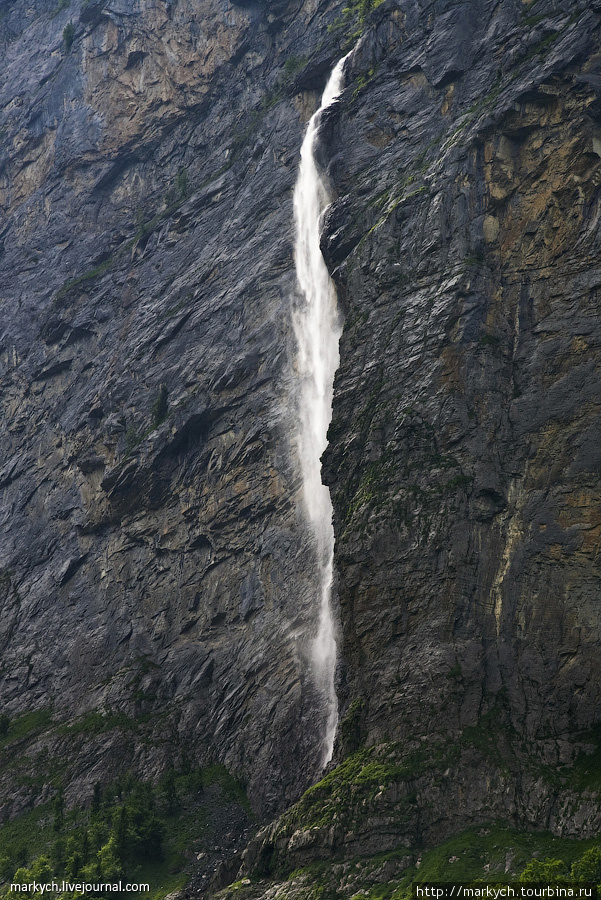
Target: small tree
[
  {"x": 58, "y": 808},
  {"x": 170, "y": 792},
  {"x": 73, "y": 855},
  {"x": 68, "y": 35},
  {"x": 588, "y": 867},
  {"x": 41, "y": 870},
  {"x": 97, "y": 836},
  {"x": 96, "y": 799},
  {"x": 132, "y": 439},
  {"x": 185, "y": 763},
  {"x": 160, "y": 406},
  {"x": 181, "y": 182},
  {"x": 119, "y": 832},
  {"x": 85, "y": 848},
  {"x": 58, "y": 855},
  {"x": 4, "y": 725},
  {"x": 6, "y": 867},
  {"x": 111, "y": 866},
  {"x": 73, "y": 865},
  {"x": 551, "y": 871}
]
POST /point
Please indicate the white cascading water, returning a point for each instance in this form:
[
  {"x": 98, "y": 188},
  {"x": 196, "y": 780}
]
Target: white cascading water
[{"x": 317, "y": 328}]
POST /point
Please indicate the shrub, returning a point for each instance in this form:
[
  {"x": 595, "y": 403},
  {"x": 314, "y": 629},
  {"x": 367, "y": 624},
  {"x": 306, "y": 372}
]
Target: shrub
[
  {"x": 160, "y": 406},
  {"x": 170, "y": 792},
  {"x": 294, "y": 64},
  {"x": 68, "y": 35},
  {"x": 58, "y": 808},
  {"x": 588, "y": 867},
  {"x": 551, "y": 871},
  {"x": 96, "y": 799},
  {"x": 132, "y": 439},
  {"x": 181, "y": 183}
]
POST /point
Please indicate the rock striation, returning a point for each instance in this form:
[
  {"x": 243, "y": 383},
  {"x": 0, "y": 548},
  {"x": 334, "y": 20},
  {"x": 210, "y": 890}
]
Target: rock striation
[
  {"x": 464, "y": 242},
  {"x": 157, "y": 581},
  {"x": 155, "y": 568},
  {"x": 462, "y": 462}
]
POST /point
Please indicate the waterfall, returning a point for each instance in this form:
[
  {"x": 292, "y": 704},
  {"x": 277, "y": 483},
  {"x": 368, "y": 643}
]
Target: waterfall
[{"x": 317, "y": 327}]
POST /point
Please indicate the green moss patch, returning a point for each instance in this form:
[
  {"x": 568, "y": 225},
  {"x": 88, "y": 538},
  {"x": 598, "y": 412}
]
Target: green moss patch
[{"x": 490, "y": 853}]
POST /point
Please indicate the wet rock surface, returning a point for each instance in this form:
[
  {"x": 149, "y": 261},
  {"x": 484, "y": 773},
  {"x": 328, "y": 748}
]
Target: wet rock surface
[
  {"x": 464, "y": 476},
  {"x": 154, "y": 567},
  {"x": 465, "y": 245},
  {"x": 154, "y": 561}
]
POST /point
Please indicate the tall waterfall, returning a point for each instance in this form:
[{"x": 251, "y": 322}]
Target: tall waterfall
[{"x": 318, "y": 328}]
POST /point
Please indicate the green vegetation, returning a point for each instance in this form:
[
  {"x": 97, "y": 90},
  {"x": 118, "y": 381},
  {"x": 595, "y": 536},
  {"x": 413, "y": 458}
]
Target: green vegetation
[
  {"x": 100, "y": 269},
  {"x": 271, "y": 98},
  {"x": 131, "y": 829},
  {"x": 160, "y": 406},
  {"x": 480, "y": 854},
  {"x": 181, "y": 182},
  {"x": 476, "y": 259},
  {"x": 490, "y": 340},
  {"x": 231, "y": 788},
  {"x": 125, "y": 831},
  {"x": 352, "y": 20},
  {"x": 530, "y": 21},
  {"x": 294, "y": 64},
  {"x": 459, "y": 481},
  {"x": 133, "y": 439},
  {"x": 60, "y": 6},
  {"x": 540, "y": 48},
  {"x": 363, "y": 80},
  {"x": 24, "y": 838},
  {"x": 143, "y": 227},
  {"x": 543, "y": 45},
  {"x": 489, "y": 846},
  {"x": 347, "y": 793},
  {"x": 372, "y": 487},
  {"x": 407, "y": 493},
  {"x": 159, "y": 411},
  {"x": 350, "y": 725},
  {"x": 397, "y": 195},
  {"x": 585, "y": 775},
  {"x": 588, "y": 867},
  {"x": 68, "y": 35},
  {"x": 25, "y": 725},
  {"x": 96, "y": 722},
  {"x": 378, "y": 783},
  {"x": 552, "y": 871}
]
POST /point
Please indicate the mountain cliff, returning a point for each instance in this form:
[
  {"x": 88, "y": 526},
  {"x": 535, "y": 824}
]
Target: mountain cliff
[
  {"x": 154, "y": 562},
  {"x": 464, "y": 241},
  {"x": 157, "y": 577}
]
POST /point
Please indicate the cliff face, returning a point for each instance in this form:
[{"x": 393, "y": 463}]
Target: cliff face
[
  {"x": 463, "y": 461},
  {"x": 154, "y": 564}
]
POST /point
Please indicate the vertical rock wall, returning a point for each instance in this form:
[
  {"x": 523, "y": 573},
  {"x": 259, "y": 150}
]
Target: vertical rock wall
[
  {"x": 464, "y": 460},
  {"x": 157, "y": 589}
]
